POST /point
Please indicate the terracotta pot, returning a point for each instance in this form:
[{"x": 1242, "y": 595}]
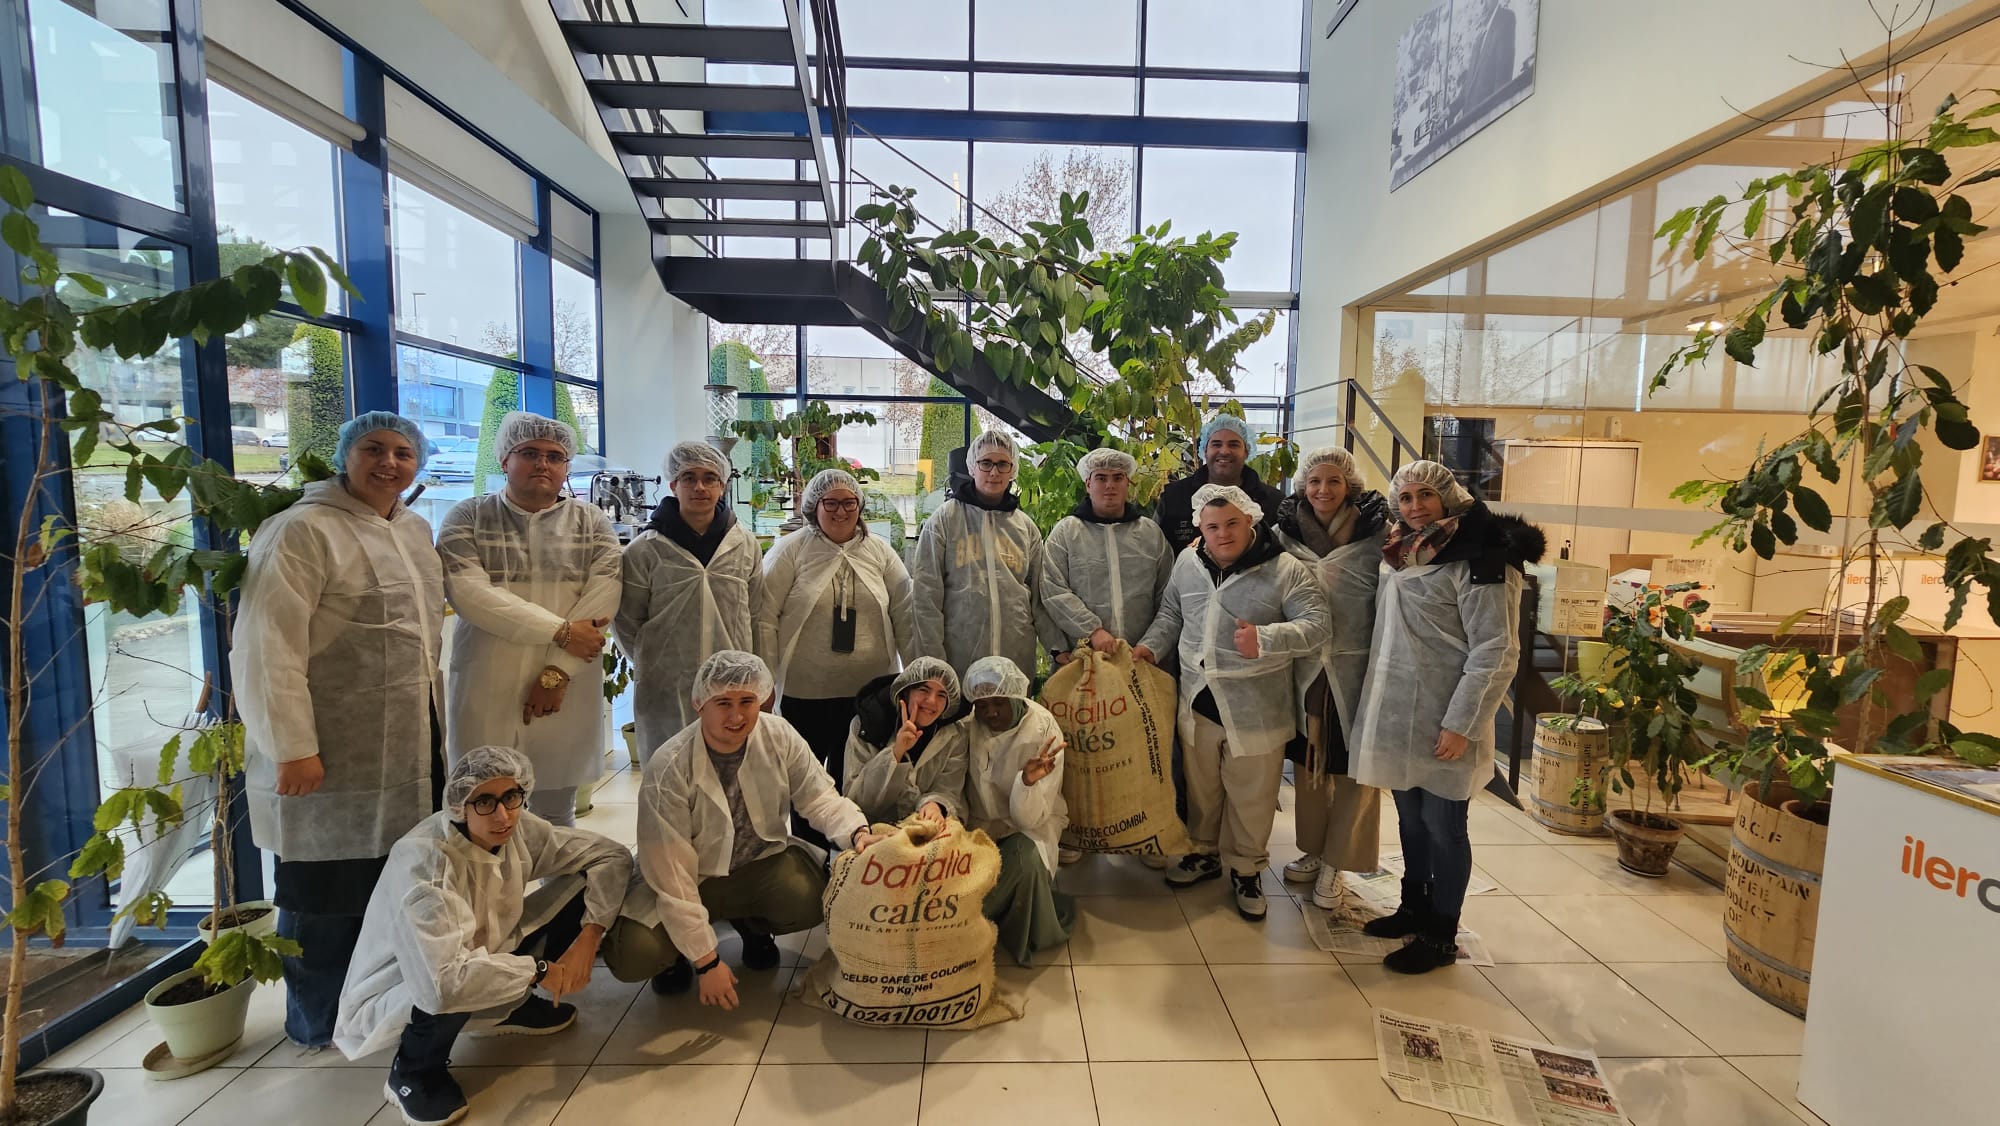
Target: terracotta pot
[{"x": 1646, "y": 842}]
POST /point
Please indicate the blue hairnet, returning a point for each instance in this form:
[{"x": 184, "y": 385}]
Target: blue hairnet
[
  {"x": 1224, "y": 422},
  {"x": 354, "y": 428},
  {"x": 479, "y": 766}
]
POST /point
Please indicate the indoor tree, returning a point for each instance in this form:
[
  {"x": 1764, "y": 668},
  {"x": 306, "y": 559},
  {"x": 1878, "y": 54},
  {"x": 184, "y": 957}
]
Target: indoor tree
[{"x": 68, "y": 316}]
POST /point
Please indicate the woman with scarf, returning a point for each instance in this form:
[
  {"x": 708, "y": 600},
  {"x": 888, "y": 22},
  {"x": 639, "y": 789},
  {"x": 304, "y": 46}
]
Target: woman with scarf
[
  {"x": 906, "y": 749},
  {"x": 836, "y": 616},
  {"x": 1447, "y": 626},
  {"x": 1336, "y": 528}
]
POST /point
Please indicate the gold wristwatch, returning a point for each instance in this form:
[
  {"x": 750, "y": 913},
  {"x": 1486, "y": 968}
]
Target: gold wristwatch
[{"x": 553, "y": 678}]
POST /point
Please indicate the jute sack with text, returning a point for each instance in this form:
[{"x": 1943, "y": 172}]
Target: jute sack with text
[
  {"x": 907, "y": 943},
  {"x": 1117, "y": 715}
]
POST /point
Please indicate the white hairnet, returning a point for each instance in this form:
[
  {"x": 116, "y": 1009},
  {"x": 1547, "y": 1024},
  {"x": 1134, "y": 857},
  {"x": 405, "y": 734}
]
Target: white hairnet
[
  {"x": 1104, "y": 457},
  {"x": 1328, "y": 455},
  {"x": 1224, "y": 422},
  {"x": 1439, "y": 478},
  {"x": 688, "y": 455},
  {"x": 730, "y": 668},
  {"x": 927, "y": 668},
  {"x": 479, "y": 766},
  {"x": 1230, "y": 495},
  {"x": 992, "y": 439},
  {"x": 991, "y": 677},
  {"x": 517, "y": 427},
  {"x": 354, "y": 429},
  {"x": 824, "y": 482}
]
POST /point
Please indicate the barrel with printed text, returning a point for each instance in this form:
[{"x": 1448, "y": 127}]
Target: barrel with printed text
[
  {"x": 1771, "y": 914},
  {"x": 1567, "y": 748}
]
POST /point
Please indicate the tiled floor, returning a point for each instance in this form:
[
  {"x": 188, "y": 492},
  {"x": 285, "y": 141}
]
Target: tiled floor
[{"x": 1165, "y": 1008}]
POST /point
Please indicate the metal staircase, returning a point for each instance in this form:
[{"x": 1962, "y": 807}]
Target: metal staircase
[{"x": 650, "y": 82}]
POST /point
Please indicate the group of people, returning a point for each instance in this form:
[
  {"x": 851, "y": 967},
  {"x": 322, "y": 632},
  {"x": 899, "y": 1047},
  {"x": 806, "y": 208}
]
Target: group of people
[{"x": 427, "y": 858}]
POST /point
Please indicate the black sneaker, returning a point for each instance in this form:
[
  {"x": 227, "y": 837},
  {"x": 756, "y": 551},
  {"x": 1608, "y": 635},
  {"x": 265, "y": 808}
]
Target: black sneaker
[
  {"x": 1422, "y": 956},
  {"x": 760, "y": 952},
  {"x": 430, "y": 1098},
  {"x": 536, "y": 1016},
  {"x": 677, "y": 978},
  {"x": 1193, "y": 869},
  {"x": 1249, "y": 896}
]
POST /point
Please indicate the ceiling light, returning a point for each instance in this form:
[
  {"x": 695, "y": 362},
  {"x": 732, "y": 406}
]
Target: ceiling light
[{"x": 1709, "y": 324}]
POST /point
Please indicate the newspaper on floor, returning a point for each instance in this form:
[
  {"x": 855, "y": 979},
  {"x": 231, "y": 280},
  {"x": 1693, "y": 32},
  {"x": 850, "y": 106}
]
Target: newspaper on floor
[
  {"x": 1339, "y": 932},
  {"x": 1392, "y": 868},
  {"x": 1505, "y": 1079}
]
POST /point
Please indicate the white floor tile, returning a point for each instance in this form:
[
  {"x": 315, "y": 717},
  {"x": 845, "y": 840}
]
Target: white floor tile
[
  {"x": 1227, "y": 938},
  {"x": 1538, "y": 870},
  {"x": 1007, "y": 1094},
  {"x": 1050, "y": 1030},
  {"x": 505, "y": 1096},
  {"x": 1601, "y": 860},
  {"x": 1618, "y": 928},
  {"x": 1455, "y": 993},
  {"x": 1488, "y": 826},
  {"x": 1179, "y": 1094},
  {"x": 646, "y": 1096},
  {"x": 1131, "y": 930},
  {"x": 316, "y": 1096},
  {"x": 680, "y": 1029},
  {"x": 1778, "y": 1076},
  {"x": 1516, "y": 932},
  {"x": 1588, "y": 1006},
  {"x": 808, "y": 1034},
  {"x": 1339, "y": 1093},
  {"x": 1698, "y": 916},
  {"x": 1730, "y": 1019},
  {"x": 1692, "y": 1092},
  {"x": 1298, "y": 1012},
  {"x": 130, "y": 1096},
  {"x": 1111, "y": 875},
  {"x": 1154, "y": 1013},
  {"x": 805, "y": 1095}
]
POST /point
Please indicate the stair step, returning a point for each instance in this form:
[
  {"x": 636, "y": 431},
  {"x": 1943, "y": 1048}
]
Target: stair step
[
  {"x": 726, "y": 189},
  {"x": 698, "y": 95},
  {"x": 682, "y": 40},
  {"x": 744, "y": 228},
  {"x": 756, "y": 147}
]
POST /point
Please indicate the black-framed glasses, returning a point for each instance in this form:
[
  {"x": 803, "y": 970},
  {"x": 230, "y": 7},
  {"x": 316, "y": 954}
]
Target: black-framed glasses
[
  {"x": 987, "y": 465},
  {"x": 542, "y": 457},
  {"x": 839, "y": 504},
  {"x": 485, "y": 804}
]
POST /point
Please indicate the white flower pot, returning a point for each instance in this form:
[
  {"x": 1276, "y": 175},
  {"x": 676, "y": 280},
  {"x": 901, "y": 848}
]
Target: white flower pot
[
  {"x": 200, "y": 1028},
  {"x": 265, "y": 924}
]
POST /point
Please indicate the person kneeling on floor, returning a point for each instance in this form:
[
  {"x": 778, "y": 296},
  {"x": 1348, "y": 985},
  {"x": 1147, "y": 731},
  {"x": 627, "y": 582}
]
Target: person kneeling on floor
[
  {"x": 1013, "y": 790},
  {"x": 453, "y": 938},
  {"x": 714, "y": 840}
]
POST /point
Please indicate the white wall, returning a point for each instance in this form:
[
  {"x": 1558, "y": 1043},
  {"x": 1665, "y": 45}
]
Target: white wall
[{"x": 1619, "y": 86}]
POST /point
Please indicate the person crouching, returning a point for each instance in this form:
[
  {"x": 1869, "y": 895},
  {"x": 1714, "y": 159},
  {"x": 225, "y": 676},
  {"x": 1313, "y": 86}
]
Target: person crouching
[
  {"x": 452, "y": 936},
  {"x": 1013, "y": 790}
]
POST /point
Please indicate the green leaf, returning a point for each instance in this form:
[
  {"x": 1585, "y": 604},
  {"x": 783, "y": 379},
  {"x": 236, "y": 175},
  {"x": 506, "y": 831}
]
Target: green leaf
[
  {"x": 1754, "y": 697},
  {"x": 1977, "y": 749},
  {"x": 1902, "y": 644},
  {"x": 20, "y": 234},
  {"x": 1763, "y": 541},
  {"x": 1812, "y": 508},
  {"x": 1932, "y": 683},
  {"x": 308, "y": 284},
  {"x": 88, "y": 284},
  {"x": 15, "y": 189},
  {"x": 1933, "y": 537},
  {"x": 40, "y": 911},
  {"x": 103, "y": 853}
]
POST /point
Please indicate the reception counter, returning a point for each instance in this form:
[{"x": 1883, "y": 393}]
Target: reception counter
[{"x": 1905, "y": 995}]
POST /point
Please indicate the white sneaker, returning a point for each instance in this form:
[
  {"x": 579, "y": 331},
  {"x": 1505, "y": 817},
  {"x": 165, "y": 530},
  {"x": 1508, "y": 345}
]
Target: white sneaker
[
  {"x": 1327, "y": 889},
  {"x": 1303, "y": 870},
  {"x": 1067, "y": 855}
]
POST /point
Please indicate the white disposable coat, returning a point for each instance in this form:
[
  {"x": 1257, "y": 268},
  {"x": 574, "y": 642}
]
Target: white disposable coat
[
  {"x": 1108, "y": 576},
  {"x": 447, "y": 915},
  {"x": 797, "y": 572},
  {"x": 685, "y": 831},
  {"x": 996, "y": 798},
  {"x": 674, "y": 613},
  {"x": 514, "y": 577},
  {"x": 888, "y": 790},
  {"x": 1253, "y": 695},
  {"x": 1346, "y": 576},
  {"x": 976, "y": 574},
  {"x": 1444, "y": 654},
  {"x": 336, "y": 654}
]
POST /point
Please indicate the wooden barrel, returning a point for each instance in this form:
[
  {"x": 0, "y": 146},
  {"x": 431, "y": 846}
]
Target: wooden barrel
[
  {"x": 1772, "y": 912},
  {"x": 1567, "y": 747}
]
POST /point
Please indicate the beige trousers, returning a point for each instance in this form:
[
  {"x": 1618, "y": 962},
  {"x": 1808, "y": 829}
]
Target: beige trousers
[
  {"x": 1339, "y": 821},
  {"x": 1231, "y": 800}
]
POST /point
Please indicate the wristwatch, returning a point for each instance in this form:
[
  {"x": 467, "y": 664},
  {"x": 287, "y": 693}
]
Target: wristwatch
[
  {"x": 553, "y": 678},
  {"x": 541, "y": 971}
]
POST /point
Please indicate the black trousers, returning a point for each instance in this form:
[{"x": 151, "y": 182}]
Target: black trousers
[
  {"x": 427, "y": 1039},
  {"x": 824, "y": 725}
]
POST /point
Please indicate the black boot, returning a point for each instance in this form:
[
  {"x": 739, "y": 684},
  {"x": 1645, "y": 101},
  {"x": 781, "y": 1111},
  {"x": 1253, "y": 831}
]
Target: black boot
[
  {"x": 677, "y": 978},
  {"x": 1409, "y": 916},
  {"x": 1436, "y": 946}
]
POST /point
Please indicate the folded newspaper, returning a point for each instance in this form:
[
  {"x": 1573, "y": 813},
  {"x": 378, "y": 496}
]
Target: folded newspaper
[
  {"x": 1339, "y": 932},
  {"x": 1505, "y": 1079}
]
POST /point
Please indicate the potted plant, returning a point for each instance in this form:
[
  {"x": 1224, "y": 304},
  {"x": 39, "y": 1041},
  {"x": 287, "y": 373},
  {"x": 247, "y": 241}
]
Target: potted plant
[
  {"x": 41, "y": 335},
  {"x": 1645, "y": 699}
]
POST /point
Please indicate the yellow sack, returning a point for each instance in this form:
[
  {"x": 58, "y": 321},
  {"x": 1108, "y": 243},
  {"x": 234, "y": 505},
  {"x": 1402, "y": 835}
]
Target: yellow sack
[
  {"x": 1117, "y": 715},
  {"x": 907, "y": 943}
]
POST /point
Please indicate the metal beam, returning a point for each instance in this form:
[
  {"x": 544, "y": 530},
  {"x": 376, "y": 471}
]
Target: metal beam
[
  {"x": 744, "y": 228},
  {"x": 1041, "y": 128},
  {"x": 726, "y": 189},
  {"x": 713, "y": 96},
  {"x": 778, "y": 147},
  {"x": 681, "y": 41}
]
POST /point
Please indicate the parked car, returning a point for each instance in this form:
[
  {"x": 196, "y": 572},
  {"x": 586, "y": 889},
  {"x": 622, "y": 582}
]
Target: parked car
[
  {"x": 277, "y": 438},
  {"x": 452, "y": 465},
  {"x": 243, "y": 436},
  {"x": 454, "y": 444}
]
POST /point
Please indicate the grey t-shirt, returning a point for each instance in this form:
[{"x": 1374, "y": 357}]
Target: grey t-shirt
[{"x": 747, "y": 844}]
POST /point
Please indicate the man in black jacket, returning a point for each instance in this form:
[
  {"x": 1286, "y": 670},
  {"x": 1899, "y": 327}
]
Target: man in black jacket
[{"x": 1225, "y": 446}]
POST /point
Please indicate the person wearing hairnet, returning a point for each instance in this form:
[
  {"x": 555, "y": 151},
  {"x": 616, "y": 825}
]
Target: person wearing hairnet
[
  {"x": 334, "y": 659},
  {"x": 1335, "y": 526},
  {"x": 454, "y": 939},
  {"x": 906, "y": 748},
  {"x": 836, "y": 615},
  {"x": 714, "y": 843},
  {"x": 1107, "y": 562},
  {"x": 1239, "y": 611},
  {"x": 1224, "y": 449},
  {"x": 978, "y": 565},
  {"x": 1446, "y": 643},
  {"x": 1013, "y": 790},
  {"x": 693, "y": 585},
  {"x": 534, "y": 577}
]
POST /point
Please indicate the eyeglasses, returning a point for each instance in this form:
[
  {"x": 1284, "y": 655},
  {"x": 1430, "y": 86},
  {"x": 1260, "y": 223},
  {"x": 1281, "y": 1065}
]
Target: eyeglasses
[
  {"x": 541, "y": 457},
  {"x": 833, "y": 504},
  {"x": 485, "y": 804},
  {"x": 988, "y": 466}
]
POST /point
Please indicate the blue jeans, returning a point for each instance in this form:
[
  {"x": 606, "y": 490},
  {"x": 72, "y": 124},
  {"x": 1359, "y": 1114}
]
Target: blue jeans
[
  {"x": 314, "y": 978},
  {"x": 1436, "y": 850}
]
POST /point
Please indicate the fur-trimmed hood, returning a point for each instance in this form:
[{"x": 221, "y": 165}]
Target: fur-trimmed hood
[{"x": 1492, "y": 542}]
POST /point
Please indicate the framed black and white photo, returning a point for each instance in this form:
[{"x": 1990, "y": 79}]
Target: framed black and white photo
[{"x": 1462, "y": 64}]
